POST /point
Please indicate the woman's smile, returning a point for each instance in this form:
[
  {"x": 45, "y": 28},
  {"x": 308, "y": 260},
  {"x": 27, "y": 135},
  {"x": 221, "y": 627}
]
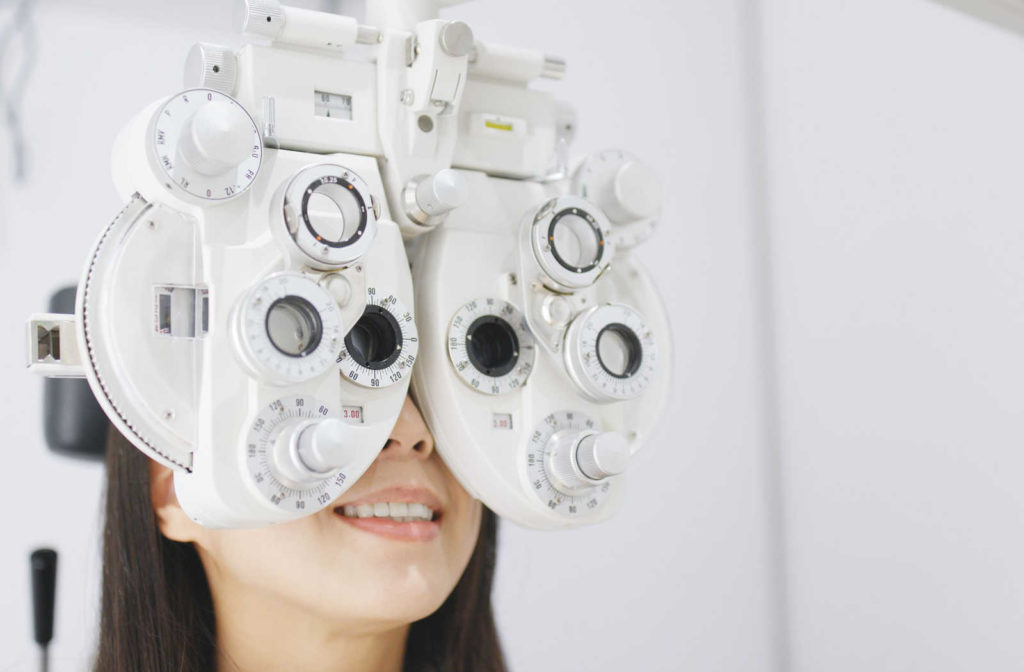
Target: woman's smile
[{"x": 404, "y": 512}]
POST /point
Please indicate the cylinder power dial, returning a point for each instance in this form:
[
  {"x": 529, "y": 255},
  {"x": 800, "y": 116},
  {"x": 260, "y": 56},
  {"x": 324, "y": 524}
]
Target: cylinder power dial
[
  {"x": 490, "y": 346},
  {"x": 610, "y": 353},
  {"x": 205, "y": 145},
  {"x": 272, "y": 458},
  {"x": 381, "y": 348},
  {"x": 288, "y": 329},
  {"x": 570, "y": 462}
]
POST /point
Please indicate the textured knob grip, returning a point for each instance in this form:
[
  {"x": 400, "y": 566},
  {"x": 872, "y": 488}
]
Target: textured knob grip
[
  {"x": 603, "y": 455},
  {"x": 211, "y": 66},
  {"x": 261, "y": 17}
]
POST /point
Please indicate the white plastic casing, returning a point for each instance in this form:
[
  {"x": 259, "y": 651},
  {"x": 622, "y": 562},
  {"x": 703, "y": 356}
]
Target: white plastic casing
[
  {"x": 189, "y": 402},
  {"x": 480, "y": 252}
]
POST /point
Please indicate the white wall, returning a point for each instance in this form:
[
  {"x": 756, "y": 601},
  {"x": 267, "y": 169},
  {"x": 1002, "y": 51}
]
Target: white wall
[
  {"x": 894, "y": 173},
  {"x": 681, "y": 579}
]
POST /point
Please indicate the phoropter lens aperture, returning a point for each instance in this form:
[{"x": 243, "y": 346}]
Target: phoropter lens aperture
[
  {"x": 619, "y": 350},
  {"x": 576, "y": 240},
  {"x": 293, "y": 325},
  {"x": 334, "y": 212},
  {"x": 375, "y": 341},
  {"x": 492, "y": 345}
]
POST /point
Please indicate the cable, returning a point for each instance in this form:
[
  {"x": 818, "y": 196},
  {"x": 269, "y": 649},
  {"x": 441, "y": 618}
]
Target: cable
[{"x": 20, "y": 25}]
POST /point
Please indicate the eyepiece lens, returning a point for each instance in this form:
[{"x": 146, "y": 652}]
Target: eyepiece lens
[
  {"x": 294, "y": 326},
  {"x": 576, "y": 241},
  {"x": 334, "y": 212},
  {"x": 619, "y": 350},
  {"x": 376, "y": 339},
  {"x": 492, "y": 345}
]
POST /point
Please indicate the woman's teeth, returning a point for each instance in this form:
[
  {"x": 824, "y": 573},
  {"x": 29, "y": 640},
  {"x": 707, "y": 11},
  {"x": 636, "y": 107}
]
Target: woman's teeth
[{"x": 403, "y": 512}]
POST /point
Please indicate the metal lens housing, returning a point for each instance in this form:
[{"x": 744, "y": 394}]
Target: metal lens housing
[
  {"x": 570, "y": 240},
  {"x": 287, "y": 329},
  {"x": 381, "y": 347},
  {"x": 610, "y": 353},
  {"x": 330, "y": 215},
  {"x": 490, "y": 346}
]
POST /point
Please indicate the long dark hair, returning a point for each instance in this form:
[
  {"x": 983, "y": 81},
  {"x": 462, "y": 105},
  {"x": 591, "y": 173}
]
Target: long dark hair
[{"x": 157, "y": 613}]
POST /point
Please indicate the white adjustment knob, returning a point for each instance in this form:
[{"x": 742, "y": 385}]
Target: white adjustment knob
[
  {"x": 211, "y": 66},
  {"x": 636, "y": 193},
  {"x": 260, "y": 17},
  {"x": 602, "y": 455},
  {"x": 456, "y": 39},
  {"x": 429, "y": 198},
  {"x": 442, "y": 193},
  {"x": 578, "y": 461},
  {"x": 305, "y": 450},
  {"x": 625, "y": 188},
  {"x": 217, "y": 138}
]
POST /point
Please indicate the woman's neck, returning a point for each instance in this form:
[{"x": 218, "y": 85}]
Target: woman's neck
[{"x": 285, "y": 638}]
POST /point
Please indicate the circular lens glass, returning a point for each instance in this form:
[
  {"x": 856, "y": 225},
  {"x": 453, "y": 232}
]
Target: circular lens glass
[
  {"x": 619, "y": 350},
  {"x": 376, "y": 339},
  {"x": 575, "y": 240},
  {"x": 294, "y": 326},
  {"x": 492, "y": 345},
  {"x": 335, "y": 213}
]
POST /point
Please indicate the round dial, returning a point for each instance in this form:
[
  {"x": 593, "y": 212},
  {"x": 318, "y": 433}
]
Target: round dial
[
  {"x": 330, "y": 215},
  {"x": 273, "y": 424},
  {"x": 570, "y": 242},
  {"x": 490, "y": 346},
  {"x": 625, "y": 189},
  {"x": 610, "y": 353},
  {"x": 552, "y": 438},
  {"x": 206, "y": 145},
  {"x": 289, "y": 329},
  {"x": 381, "y": 348}
]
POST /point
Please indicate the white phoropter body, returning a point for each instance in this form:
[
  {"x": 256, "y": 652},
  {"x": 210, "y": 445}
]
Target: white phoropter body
[
  {"x": 219, "y": 321},
  {"x": 249, "y": 319},
  {"x": 584, "y": 332}
]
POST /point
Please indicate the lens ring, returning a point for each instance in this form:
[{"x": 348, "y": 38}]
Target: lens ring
[
  {"x": 631, "y": 350},
  {"x": 375, "y": 342},
  {"x": 570, "y": 217},
  {"x": 320, "y": 187},
  {"x": 293, "y": 317},
  {"x": 492, "y": 345}
]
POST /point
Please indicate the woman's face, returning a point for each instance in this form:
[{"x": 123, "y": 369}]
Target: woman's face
[{"x": 360, "y": 573}]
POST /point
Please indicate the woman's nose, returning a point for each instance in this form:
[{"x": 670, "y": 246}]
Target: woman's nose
[{"x": 410, "y": 438}]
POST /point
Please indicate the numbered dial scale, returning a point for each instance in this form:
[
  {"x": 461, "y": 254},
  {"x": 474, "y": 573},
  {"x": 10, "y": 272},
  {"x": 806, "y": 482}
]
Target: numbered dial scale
[
  {"x": 610, "y": 353},
  {"x": 205, "y": 145},
  {"x": 271, "y": 422},
  {"x": 541, "y": 454},
  {"x": 288, "y": 329},
  {"x": 490, "y": 346},
  {"x": 381, "y": 348}
]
